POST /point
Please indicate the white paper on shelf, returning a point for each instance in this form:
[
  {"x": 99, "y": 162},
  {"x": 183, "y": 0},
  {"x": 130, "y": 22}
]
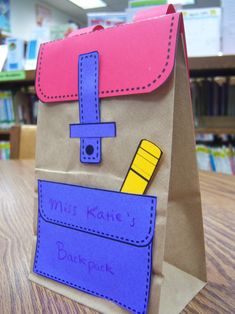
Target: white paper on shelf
[
  {"x": 228, "y": 26},
  {"x": 203, "y": 158},
  {"x": 222, "y": 161},
  {"x": 3, "y": 56},
  {"x": 106, "y": 19},
  {"x": 181, "y": 2},
  {"x": 41, "y": 34},
  {"x": 203, "y": 31}
]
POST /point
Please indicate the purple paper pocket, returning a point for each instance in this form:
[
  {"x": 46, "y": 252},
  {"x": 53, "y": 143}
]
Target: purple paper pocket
[{"x": 97, "y": 241}]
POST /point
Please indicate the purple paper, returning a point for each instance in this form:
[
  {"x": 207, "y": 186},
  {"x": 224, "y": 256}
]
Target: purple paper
[
  {"x": 89, "y": 108},
  {"x": 90, "y": 130},
  {"x": 107, "y": 129},
  {"x": 96, "y": 241}
]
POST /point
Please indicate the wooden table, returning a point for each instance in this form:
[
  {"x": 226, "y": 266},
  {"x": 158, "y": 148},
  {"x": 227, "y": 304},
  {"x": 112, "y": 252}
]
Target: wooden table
[{"x": 19, "y": 295}]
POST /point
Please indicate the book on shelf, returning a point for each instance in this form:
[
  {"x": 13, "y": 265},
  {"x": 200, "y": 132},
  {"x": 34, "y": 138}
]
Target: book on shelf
[
  {"x": 7, "y": 115},
  {"x": 212, "y": 97},
  {"x": 231, "y": 100},
  {"x": 17, "y": 108},
  {"x": 4, "y": 150},
  {"x": 216, "y": 153}
]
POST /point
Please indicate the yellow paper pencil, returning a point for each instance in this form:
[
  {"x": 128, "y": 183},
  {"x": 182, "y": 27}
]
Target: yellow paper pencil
[{"x": 142, "y": 168}]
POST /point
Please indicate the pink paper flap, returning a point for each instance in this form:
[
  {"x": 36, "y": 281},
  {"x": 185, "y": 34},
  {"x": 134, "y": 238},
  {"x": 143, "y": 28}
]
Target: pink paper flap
[
  {"x": 154, "y": 12},
  {"x": 134, "y": 58}
]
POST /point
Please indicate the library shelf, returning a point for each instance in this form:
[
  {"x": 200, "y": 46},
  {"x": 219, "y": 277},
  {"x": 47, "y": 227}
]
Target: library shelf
[
  {"x": 212, "y": 65},
  {"x": 216, "y": 125},
  {"x": 217, "y": 131},
  {"x": 216, "y": 122},
  {"x": 5, "y": 135},
  {"x": 10, "y": 78},
  {"x": 30, "y": 75},
  {"x": 5, "y": 131},
  {"x": 199, "y": 66}
]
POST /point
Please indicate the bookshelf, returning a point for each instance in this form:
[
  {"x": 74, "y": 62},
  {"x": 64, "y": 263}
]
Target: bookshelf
[
  {"x": 20, "y": 84},
  {"x": 216, "y": 125},
  {"x": 199, "y": 67},
  {"x": 5, "y": 131},
  {"x": 213, "y": 99},
  {"x": 217, "y": 131},
  {"x": 17, "y": 78},
  {"x": 208, "y": 66},
  {"x": 212, "y": 66}
]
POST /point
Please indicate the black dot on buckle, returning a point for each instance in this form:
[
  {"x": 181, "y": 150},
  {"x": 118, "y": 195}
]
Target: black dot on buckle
[{"x": 89, "y": 149}]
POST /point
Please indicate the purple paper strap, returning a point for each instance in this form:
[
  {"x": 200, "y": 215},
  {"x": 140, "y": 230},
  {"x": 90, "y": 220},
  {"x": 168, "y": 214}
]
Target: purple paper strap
[
  {"x": 90, "y": 130},
  {"x": 93, "y": 130}
]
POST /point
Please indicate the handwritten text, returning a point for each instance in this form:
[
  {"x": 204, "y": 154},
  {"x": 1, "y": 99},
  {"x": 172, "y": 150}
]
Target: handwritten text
[
  {"x": 89, "y": 264},
  {"x": 63, "y": 207}
]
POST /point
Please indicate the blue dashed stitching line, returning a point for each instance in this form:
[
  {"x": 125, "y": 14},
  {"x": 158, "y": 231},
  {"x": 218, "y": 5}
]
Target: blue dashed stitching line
[
  {"x": 148, "y": 273},
  {"x": 84, "y": 156},
  {"x": 99, "y": 232},
  {"x": 120, "y": 90}
]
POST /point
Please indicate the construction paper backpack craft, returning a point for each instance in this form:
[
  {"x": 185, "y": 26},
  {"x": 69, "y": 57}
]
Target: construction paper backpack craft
[{"x": 118, "y": 221}]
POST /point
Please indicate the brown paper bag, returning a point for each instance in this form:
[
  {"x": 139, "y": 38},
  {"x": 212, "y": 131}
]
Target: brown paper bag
[{"x": 163, "y": 116}]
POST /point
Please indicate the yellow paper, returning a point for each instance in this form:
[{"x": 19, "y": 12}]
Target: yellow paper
[{"x": 142, "y": 168}]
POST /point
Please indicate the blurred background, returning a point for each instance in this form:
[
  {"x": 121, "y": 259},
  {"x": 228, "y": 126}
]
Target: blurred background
[{"x": 210, "y": 35}]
